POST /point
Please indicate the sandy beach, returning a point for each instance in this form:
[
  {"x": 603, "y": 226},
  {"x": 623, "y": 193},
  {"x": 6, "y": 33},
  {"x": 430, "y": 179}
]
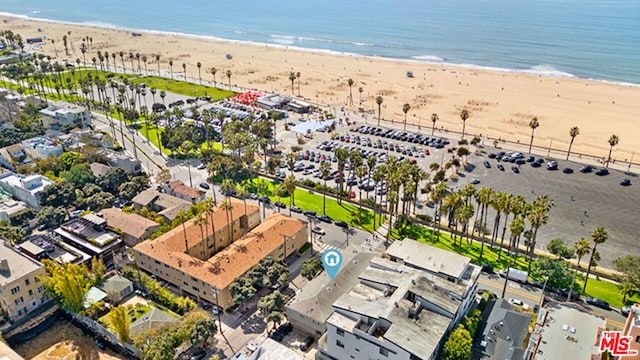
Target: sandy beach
[{"x": 500, "y": 103}]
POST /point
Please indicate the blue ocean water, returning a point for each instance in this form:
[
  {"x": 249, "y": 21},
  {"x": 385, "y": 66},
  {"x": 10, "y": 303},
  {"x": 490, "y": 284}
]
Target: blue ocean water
[{"x": 598, "y": 39}]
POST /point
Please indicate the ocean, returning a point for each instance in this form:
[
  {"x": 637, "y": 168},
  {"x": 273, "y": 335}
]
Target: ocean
[{"x": 595, "y": 39}]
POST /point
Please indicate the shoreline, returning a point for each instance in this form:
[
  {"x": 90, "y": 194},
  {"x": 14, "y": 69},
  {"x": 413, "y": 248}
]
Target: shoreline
[
  {"x": 501, "y": 102},
  {"x": 427, "y": 59}
]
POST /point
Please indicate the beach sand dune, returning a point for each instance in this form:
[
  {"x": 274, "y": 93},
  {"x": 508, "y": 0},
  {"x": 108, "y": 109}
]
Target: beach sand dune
[{"x": 500, "y": 103}]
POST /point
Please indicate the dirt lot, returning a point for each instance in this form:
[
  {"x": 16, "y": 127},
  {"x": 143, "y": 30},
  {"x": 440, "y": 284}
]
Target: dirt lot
[{"x": 63, "y": 341}]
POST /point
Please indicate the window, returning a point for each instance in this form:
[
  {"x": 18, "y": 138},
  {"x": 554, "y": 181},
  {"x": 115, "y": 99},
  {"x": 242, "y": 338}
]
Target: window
[
  {"x": 26, "y": 281},
  {"x": 19, "y": 300},
  {"x": 638, "y": 339},
  {"x": 15, "y": 290},
  {"x": 30, "y": 292},
  {"x": 340, "y": 332},
  {"x": 384, "y": 352},
  {"x": 195, "y": 289},
  {"x": 40, "y": 288},
  {"x": 340, "y": 344}
]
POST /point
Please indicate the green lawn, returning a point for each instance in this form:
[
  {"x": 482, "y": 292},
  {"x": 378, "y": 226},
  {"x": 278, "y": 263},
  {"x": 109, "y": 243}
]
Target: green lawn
[
  {"x": 595, "y": 288},
  {"x": 133, "y": 312},
  {"x": 142, "y": 129},
  {"x": 181, "y": 87},
  {"x": 303, "y": 199}
]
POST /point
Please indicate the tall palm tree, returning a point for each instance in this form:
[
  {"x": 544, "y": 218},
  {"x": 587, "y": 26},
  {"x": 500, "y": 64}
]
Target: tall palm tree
[
  {"x": 360, "y": 91},
  {"x": 537, "y": 215},
  {"x": 627, "y": 289},
  {"x": 464, "y": 115},
  {"x": 171, "y": 68},
  {"x": 163, "y": 94},
  {"x": 599, "y": 236},
  {"x": 229, "y": 73},
  {"x": 187, "y": 147},
  {"x": 115, "y": 64},
  {"x": 298, "y": 77},
  {"x": 292, "y": 78},
  {"x": 138, "y": 58},
  {"x": 483, "y": 197},
  {"x": 434, "y": 118},
  {"x": 613, "y": 141},
  {"x": 144, "y": 60},
  {"x": 350, "y": 83},
  {"x": 325, "y": 169},
  {"x": 405, "y": 109},
  {"x": 573, "y": 132},
  {"x": 182, "y": 218},
  {"x": 200, "y": 221},
  {"x": 242, "y": 193},
  {"x": 379, "y": 101},
  {"x": 213, "y": 72},
  {"x": 581, "y": 248},
  {"x": 533, "y": 124},
  {"x": 516, "y": 227},
  {"x": 199, "y": 65},
  {"x": 227, "y": 207},
  {"x": 290, "y": 183},
  {"x": 184, "y": 68},
  {"x": 158, "y": 63}
]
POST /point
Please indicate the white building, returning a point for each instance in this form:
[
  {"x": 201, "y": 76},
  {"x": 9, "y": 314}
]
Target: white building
[
  {"x": 126, "y": 163},
  {"x": 26, "y": 188},
  {"x": 42, "y": 148},
  {"x": 393, "y": 312},
  {"x": 62, "y": 113},
  {"x": 8, "y": 208}
]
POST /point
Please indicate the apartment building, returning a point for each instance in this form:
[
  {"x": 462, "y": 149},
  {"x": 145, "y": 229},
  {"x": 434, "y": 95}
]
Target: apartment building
[
  {"x": 21, "y": 290},
  {"x": 26, "y": 188},
  {"x": 189, "y": 263},
  {"x": 632, "y": 328},
  {"x": 61, "y": 113}
]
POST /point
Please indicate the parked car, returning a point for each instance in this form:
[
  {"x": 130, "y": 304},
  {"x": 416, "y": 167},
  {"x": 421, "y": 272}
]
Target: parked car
[
  {"x": 625, "y": 182},
  {"x": 487, "y": 164},
  {"x": 586, "y": 169},
  {"x": 626, "y": 310},
  {"x": 204, "y": 186},
  {"x": 306, "y": 343},
  {"x": 296, "y": 209},
  {"x": 500, "y": 167},
  {"x": 341, "y": 224},
  {"x": 602, "y": 172},
  {"x": 198, "y": 355},
  {"x": 318, "y": 230},
  {"x": 309, "y": 213},
  {"x": 325, "y": 218},
  {"x": 201, "y": 166},
  {"x": 475, "y": 181},
  {"x": 486, "y": 268},
  {"x": 598, "y": 302},
  {"x": 552, "y": 165},
  {"x": 515, "y": 169},
  {"x": 567, "y": 170},
  {"x": 280, "y": 204},
  {"x": 518, "y": 302}
]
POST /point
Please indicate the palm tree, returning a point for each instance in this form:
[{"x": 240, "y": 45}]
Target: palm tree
[
  {"x": 516, "y": 227},
  {"x": 434, "y": 118},
  {"x": 200, "y": 221},
  {"x": 113, "y": 56},
  {"x": 298, "y": 77},
  {"x": 464, "y": 115},
  {"x": 138, "y": 58},
  {"x": 537, "y": 215},
  {"x": 533, "y": 124},
  {"x": 405, "y": 109},
  {"x": 325, "y": 169},
  {"x": 199, "y": 65},
  {"x": 581, "y": 248},
  {"x": 379, "y": 101},
  {"x": 360, "y": 91},
  {"x": 213, "y": 72},
  {"x": 599, "y": 236},
  {"x": 229, "y": 73},
  {"x": 613, "y": 141},
  {"x": 171, "y": 68},
  {"x": 292, "y": 78},
  {"x": 573, "y": 132},
  {"x": 290, "y": 183},
  {"x": 483, "y": 197},
  {"x": 163, "y": 94},
  {"x": 144, "y": 60},
  {"x": 227, "y": 207},
  {"x": 626, "y": 289},
  {"x": 242, "y": 193},
  {"x": 187, "y": 147},
  {"x": 350, "y": 83},
  {"x": 182, "y": 218},
  {"x": 184, "y": 68},
  {"x": 158, "y": 63}
]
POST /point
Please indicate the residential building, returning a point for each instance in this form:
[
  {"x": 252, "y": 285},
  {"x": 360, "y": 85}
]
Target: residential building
[
  {"x": 26, "y": 188},
  {"x": 441, "y": 263},
  {"x": 21, "y": 290},
  {"x": 267, "y": 350},
  {"x": 94, "y": 296},
  {"x": 7, "y": 353},
  {"x": 9, "y": 208},
  {"x": 155, "y": 318},
  {"x": 566, "y": 331},
  {"x": 123, "y": 161},
  {"x": 165, "y": 205},
  {"x": 117, "y": 288},
  {"x": 501, "y": 332},
  {"x": 186, "y": 261},
  {"x": 42, "y": 148},
  {"x": 12, "y": 156},
  {"x": 632, "y": 328},
  {"x": 90, "y": 235},
  {"x": 178, "y": 189},
  {"x": 393, "y": 312},
  {"x": 61, "y": 113},
  {"x": 47, "y": 246},
  {"x": 98, "y": 169},
  {"x": 133, "y": 227}
]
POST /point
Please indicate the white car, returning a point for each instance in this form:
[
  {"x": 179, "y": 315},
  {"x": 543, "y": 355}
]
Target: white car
[
  {"x": 318, "y": 230},
  {"x": 516, "y": 302}
]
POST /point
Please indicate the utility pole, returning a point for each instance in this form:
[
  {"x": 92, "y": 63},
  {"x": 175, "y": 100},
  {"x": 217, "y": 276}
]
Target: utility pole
[{"x": 218, "y": 310}]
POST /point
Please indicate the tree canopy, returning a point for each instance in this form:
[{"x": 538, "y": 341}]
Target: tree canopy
[{"x": 557, "y": 270}]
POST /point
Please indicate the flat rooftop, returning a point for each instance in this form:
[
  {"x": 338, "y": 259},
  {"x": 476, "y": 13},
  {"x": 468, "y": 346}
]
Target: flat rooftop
[
  {"x": 19, "y": 264},
  {"x": 428, "y": 257}
]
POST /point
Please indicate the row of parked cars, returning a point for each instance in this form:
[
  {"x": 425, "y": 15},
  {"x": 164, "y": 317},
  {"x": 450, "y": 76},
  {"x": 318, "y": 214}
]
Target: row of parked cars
[
  {"x": 408, "y": 150},
  {"x": 414, "y": 138}
]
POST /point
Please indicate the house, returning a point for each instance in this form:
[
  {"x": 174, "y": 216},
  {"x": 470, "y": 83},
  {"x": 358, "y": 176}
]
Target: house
[
  {"x": 393, "y": 311},
  {"x": 90, "y": 235},
  {"x": 155, "y": 318},
  {"x": 189, "y": 264},
  {"x": 21, "y": 290},
  {"x": 566, "y": 331},
  {"x": 117, "y": 288},
  {"x": 178, "y": 189},
  {"x": 133, "y": 227},
  {"x": 61, "y": 113},
  {"x": 41, "y": 148},
  {"x": 123, "y": 161},
  {"x": 164, "y": 205},
  {"x": 98, "y": 169},
  {"x": 501, "y": 332},
  {"x": 26, "y": 188},
  {"x": 13, "y": 155},
  {"x": 9, "y": 208},
  {"x": 47, "y": 246},
  {"x": 94, "y": 296},
  {"x": 632, "y": 328}
]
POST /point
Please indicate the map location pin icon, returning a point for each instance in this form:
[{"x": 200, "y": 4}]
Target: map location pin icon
[{"x": 332, "y": 260}]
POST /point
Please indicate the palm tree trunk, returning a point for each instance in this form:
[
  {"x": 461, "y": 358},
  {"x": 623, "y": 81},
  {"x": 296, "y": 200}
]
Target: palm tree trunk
[{"x": 586, "y": 279}]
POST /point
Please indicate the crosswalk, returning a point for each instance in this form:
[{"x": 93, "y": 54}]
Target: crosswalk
[{"x": 373, "y": 242}]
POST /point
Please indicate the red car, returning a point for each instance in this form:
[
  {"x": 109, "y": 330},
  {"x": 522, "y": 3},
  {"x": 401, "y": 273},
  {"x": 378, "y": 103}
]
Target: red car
[
  {"x": 352, "y": 195},
  {"x": 426, "y": 152}
]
